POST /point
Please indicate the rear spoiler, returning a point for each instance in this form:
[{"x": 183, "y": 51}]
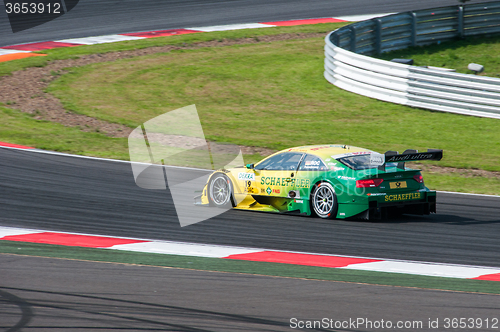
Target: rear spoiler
[{"x": 410, "y": 155}]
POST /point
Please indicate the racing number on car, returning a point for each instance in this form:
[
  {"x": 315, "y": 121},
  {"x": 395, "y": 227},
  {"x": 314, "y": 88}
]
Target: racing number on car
[{"x": 249, "y": 183}]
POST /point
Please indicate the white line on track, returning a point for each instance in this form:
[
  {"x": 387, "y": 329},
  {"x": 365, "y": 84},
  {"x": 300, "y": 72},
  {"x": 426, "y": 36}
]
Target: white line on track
[
  {"x": 98, "y": 158},
  {"x": 99, "y": 39},
  {"x": 231, "y": 27},
  {"x": 469, "y": 194},
  {"x": 355, "y": 18}
]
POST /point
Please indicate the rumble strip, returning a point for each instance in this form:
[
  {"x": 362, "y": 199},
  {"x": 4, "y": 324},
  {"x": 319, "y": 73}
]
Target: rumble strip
[{"x": 250, "y": 254}]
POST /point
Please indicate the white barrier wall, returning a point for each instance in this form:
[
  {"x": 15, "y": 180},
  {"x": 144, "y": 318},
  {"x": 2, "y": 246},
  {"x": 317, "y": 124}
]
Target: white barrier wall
[{"x": 414, "y": 86}]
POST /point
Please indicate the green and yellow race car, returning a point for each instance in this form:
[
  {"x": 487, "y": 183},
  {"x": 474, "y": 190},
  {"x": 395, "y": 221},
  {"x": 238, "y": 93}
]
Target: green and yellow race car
[{"x": 328, "y": 181}]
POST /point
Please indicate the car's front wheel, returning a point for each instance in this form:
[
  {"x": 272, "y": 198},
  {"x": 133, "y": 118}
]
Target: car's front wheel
[
  {"x": 324, "y": 200},
  {"x": 220, "y": 191}
]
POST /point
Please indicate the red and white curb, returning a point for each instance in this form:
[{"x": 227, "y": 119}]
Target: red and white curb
[
  {"x": 250, "y": 254},
  {"x": 8, "y": 53},
  {"x": 15, "y": 146}
]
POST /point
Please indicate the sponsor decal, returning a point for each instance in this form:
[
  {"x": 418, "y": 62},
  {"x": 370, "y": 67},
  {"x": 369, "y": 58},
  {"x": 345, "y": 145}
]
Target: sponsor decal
[
  {"x": 276, "y": 191},
  {"x": 342, "y": 177},
  {"x": 284, "y": 182},
  {"x": 320, "y": 148},
  {"x": 403, "y": 197},
  {"x": 246, "y": 176},
  {"x": 251, "y": 190},
  {"x": 398, "y": 185},
  {"x": 377, "y": 159},
  {"x": 349, "y": 154},
  {"x": 298, "y": 201},
  {"x": 327, "y": 159},
  {"x": 342, "y": 213},
  {"x": 262, "y": 190},
  {"x": 411, "y": 156},
  {"x": 337, "y": 168},
  {"x": 376, "y": 194},
  {"x": 312, "y": 164},
  {"x": 269, "y": 191}
]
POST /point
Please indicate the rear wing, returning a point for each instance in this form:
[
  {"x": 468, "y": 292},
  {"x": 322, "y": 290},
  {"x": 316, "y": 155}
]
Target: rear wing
[{"x": 410, "y": 155}]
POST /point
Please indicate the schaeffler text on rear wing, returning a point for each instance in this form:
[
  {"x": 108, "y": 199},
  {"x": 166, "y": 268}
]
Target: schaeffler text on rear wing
[{"x": 411, "y": 155}]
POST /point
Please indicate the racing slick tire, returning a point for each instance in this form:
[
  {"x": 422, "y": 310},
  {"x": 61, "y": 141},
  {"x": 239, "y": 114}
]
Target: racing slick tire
[
  {"x": 324, "y": 201},
  {"x": 220, "y": 192}
]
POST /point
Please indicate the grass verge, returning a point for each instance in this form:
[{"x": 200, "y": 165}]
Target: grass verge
[
  {"x": 456, "y": 54},
  {"x": 465, "y": 184},
  {"x": 20, "y": 128},
  {"x": 248, "y": 267}
]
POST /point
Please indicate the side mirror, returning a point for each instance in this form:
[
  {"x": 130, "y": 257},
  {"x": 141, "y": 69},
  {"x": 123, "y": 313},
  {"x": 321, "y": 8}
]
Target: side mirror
[{"x": 249, "y": 166}]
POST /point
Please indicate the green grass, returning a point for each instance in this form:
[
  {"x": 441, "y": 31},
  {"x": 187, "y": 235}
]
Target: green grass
[
  {"x": 19, "y": 128},
  {"x": 455, "y": 54},
  {"x": 248, "y": 267},
  {"x": 454, "y": 182}
]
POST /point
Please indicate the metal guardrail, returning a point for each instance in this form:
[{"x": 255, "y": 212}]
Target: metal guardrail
[{"x": 348, "y": 66}]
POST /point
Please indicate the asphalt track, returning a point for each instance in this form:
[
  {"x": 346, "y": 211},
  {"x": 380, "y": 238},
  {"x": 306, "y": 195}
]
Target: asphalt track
[
  {"x": 87, "y": 296},
  {"x": 101, "y": 17},
  {"x": 62, "y": 193}
]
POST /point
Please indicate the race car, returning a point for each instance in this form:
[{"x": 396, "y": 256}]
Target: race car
[{"x": 328, "y": 181}]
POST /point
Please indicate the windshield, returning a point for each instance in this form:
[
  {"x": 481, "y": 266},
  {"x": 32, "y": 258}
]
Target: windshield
[
  {"x": 365, "y": 161},
  {"x": 358, "y": 162},
  {"x": 282, "y": 161}
]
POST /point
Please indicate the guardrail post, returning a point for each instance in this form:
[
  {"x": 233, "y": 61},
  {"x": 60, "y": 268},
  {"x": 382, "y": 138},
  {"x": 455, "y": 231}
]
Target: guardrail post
[
  {"x": 335, "y": 39},
  {"x": 461, "y": 21},
  {"x": 413, "y": 29},
  {"x": 378, "y": 36},
  {"x": 353, "y": 38}
]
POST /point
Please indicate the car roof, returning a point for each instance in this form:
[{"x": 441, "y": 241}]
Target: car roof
[{"x": 327, "y": 150}]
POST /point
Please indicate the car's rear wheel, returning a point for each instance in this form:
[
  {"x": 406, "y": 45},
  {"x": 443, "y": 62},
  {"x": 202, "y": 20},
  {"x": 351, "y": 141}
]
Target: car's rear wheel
[
  {"x": 324, "y": 201},
  {"x": 220, "y": 191}
]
